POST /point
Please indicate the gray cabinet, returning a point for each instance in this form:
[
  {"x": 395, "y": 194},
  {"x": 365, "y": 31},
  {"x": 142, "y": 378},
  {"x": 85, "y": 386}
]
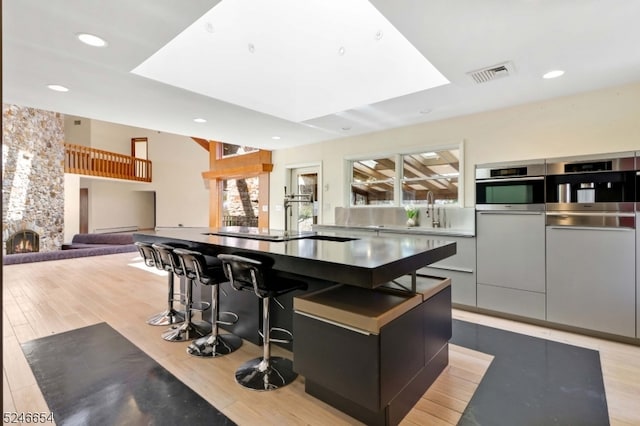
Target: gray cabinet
[
  {"x": 461, "y": 268},
  {"x": 511, "y": 262},
  {"x": 637, "y": 277},
  {"x": 591, "y": 278}
]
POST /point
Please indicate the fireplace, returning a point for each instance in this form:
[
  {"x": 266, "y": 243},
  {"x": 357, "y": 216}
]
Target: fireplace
[{"x": 25, "y": 241}]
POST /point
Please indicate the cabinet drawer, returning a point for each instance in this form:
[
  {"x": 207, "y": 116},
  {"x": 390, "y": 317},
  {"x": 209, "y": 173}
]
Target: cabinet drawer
[{"x": 517, "y": 302}]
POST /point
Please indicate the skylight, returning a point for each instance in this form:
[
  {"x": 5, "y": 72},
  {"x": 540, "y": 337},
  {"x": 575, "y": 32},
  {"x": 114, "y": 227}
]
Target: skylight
[{"x": 291, "y": 59}]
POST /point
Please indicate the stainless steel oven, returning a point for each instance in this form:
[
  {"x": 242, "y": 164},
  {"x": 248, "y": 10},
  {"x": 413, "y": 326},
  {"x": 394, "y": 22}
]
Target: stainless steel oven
[
  {"x": 638, "y": 189},
  {"x": 516, "y": 186},
  {"x": 592, "y": 184}
]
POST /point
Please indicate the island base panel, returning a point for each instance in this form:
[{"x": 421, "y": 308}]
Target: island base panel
[{"x": 398, "y": 408}]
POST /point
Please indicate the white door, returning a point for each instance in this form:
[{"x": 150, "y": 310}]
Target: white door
[{"x": 304, "y": 180}]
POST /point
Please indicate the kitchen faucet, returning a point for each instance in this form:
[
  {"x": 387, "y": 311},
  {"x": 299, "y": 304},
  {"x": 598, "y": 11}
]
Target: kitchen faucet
[
  {"x": 431, "y": 210},
  {"x": 290, "y": 199}
]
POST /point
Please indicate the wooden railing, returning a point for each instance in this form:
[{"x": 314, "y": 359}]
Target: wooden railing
[{"x": 85, "y": 160}]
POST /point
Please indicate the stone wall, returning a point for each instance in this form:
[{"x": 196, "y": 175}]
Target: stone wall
[{"x": 33, "y": 174}]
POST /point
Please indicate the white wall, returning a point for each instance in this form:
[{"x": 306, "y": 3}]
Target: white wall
[
  {"x": 77, "y": 134},
  {"x": 178, "y": 161},
  {"x": 603, "y": 121}
]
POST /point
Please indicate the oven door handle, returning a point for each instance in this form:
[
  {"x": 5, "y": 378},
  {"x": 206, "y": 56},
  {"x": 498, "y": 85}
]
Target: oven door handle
[{"x": 518, "y": 179}]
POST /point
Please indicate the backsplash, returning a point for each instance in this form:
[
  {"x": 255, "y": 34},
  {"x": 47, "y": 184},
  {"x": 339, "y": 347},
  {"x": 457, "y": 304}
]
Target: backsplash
[{"x": 449, "y": 217}]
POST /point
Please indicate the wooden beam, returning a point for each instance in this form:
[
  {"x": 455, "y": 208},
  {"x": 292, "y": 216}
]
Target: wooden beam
[
  {"x": 203, "y": 143},
  {"x": 238, "y": 172}
]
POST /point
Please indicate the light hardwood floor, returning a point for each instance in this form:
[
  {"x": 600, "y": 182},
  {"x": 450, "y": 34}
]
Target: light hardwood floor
[{"x": 45, "y": 298}]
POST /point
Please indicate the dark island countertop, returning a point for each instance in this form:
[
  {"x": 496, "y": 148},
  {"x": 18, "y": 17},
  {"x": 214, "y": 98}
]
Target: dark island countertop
[{"x": 362, "y": 261}]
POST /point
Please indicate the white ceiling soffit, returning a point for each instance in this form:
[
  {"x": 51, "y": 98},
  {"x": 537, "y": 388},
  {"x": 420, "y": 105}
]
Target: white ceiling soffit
[{"x": 296, "y": 60}]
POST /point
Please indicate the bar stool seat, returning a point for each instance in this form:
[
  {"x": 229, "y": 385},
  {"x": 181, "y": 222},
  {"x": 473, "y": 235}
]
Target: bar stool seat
[
  {"x": 190, "y": 329},
  {"x": 208, "y": 271},
  {"x": 170, "y": 315},
  {"x": 266, "y": 372}
]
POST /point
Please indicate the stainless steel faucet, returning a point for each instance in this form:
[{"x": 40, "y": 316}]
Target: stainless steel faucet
[
  {"x": 431, "y": 210},
  {"x": 290, "y": 199}
]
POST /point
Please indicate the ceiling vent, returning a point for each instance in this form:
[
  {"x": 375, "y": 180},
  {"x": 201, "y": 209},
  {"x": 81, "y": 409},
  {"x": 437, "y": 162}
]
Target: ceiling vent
[{"x": 493, "y": 72}]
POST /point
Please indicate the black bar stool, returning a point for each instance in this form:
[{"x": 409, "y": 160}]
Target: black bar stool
[
  {"x": 208, "y": 271},
  {"x": 189, "y": 329},
  {"x": 170, "y": 315},
  {"x": 265, "y": 372}
]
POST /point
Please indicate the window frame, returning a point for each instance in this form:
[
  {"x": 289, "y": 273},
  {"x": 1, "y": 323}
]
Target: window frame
[{"x": 399, "y": 178}]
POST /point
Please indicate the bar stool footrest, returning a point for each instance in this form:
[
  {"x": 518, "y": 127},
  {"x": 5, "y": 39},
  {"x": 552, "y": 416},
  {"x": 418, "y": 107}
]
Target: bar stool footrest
[
  {"x": 233, "y": 315},
  {"x": 200, "y": 306},
  {"x": 278, "y": 339}
]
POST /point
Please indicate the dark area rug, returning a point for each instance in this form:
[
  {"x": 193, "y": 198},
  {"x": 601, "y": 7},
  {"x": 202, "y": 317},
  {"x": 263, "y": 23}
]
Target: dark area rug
[
  {"x": 95, "y": 376},
  {"x": 532, "y": 381}
]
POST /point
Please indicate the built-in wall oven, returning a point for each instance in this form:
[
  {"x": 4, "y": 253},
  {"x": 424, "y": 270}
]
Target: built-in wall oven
[
  {"x": 510, "y": 238},
  {"x": 593, "y": 183},
  {"x": 510, "y": 186}
]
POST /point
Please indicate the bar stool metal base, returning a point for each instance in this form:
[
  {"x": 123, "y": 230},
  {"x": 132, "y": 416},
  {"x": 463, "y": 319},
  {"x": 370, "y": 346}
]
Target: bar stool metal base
[
  {"x": 210, "y": 347},
  {"x": 257, "y": 374},
  {"x": 168, "y": 317},
  {"x": 187, "y": 331}
]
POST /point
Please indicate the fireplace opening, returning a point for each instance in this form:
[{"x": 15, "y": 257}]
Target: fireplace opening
[{"x": 25, "y": 241}]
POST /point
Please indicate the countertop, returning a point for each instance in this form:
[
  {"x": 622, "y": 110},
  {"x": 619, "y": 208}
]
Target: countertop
[
  {"x": 364, "y": 261},
  {"x": 395, "y": 229}
]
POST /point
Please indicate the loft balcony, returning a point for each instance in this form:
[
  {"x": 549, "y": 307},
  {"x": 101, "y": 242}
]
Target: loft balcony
[{"x": 84, "y": 160}]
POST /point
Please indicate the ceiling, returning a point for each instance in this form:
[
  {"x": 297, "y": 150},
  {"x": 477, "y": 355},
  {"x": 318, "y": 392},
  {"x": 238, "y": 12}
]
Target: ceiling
[{"x": 594, "y": 41}]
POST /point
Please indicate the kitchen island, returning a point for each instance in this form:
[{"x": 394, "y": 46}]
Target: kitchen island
[{"x": 352, "y": 281}]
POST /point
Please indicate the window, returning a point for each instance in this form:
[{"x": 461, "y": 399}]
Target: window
[
  {"x": 229, "y": 150},
  {"x": 372, "y": 181},
  {"x": 378, "y": 181},
  {"x": 435, "y": 171},
  {"x": 240, "y": 205}
]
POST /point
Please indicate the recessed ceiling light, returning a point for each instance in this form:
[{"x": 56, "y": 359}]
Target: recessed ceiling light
[
  {"x": 346, "y": 128},
  {"x": 341, "y": 51},
  {"x": 58, "y": 88},
  {"x": 553, "y": 74},
  {"x": 91, "y": 40},
  {"x": 199, "y": 120},
  {"x": 251, "y": 47},
  {"x": 275, "y": 138},
  {"x": 425, "y": 111}
]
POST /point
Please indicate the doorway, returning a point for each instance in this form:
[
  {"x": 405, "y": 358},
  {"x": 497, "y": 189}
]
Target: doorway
[
  {"x": 140, "y": 149},
  {"x": 84, "y": 210},
  {"x": 305, "y": 180}
]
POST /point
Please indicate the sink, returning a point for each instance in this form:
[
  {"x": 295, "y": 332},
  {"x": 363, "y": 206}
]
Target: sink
[
  {"x": 254, "y": 233},
  {"x": 329, "y": 238}
]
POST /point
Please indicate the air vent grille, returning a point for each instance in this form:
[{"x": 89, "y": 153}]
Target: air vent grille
[{"x": 493, "y": 72}]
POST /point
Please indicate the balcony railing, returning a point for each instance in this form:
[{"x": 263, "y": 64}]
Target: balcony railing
[{"x": 85, "y": 160}]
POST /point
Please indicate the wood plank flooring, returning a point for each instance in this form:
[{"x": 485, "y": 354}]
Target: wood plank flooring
[{"x": 45, "y": 298}]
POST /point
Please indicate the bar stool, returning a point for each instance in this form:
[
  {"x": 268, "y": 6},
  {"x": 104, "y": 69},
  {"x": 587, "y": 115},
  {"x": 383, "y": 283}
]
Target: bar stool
[
  {"x": 266, "y": 372},
  {"x": 208, "y": 271},
  {"x": 170, "y": 315},
  {"x": 189, "y": 329}
]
